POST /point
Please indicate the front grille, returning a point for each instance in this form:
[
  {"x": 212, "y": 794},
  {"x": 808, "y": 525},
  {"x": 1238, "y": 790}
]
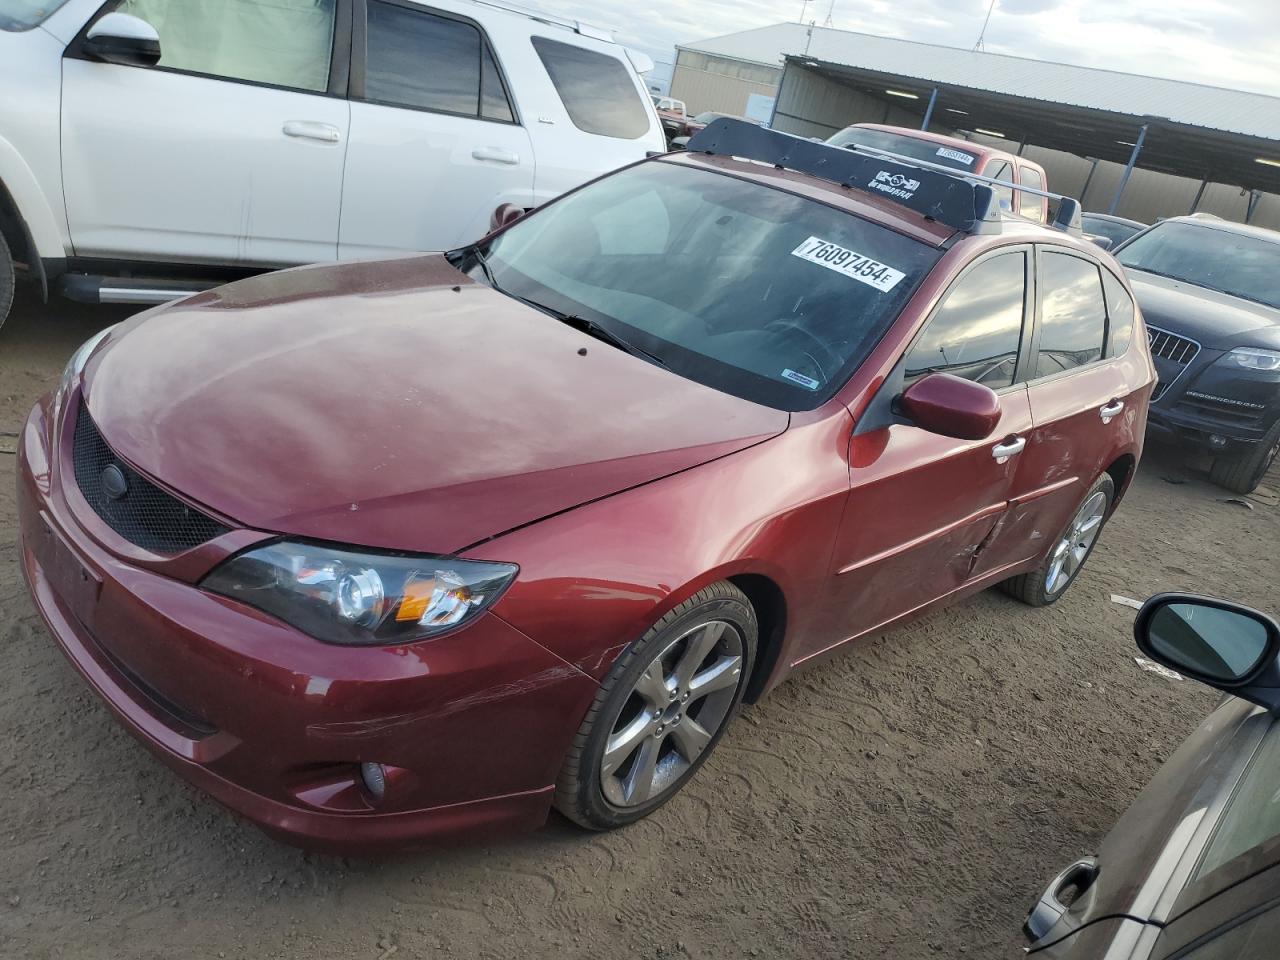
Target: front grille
[
  {"x": 1176, "y": 351},
  {"x": 1226, "y": 411},
  {"x": 143, "y": 514}
]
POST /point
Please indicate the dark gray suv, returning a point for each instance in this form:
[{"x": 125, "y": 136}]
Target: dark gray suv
[{"x": 1192, "y": 869}]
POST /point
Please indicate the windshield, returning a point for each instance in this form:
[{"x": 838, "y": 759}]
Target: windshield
[
  {"x": 760, "y": 293},
  {"x": 906, "y": 146},
  {"x": 17, "y": 15},
  {"x": 1222, "y": 260}
]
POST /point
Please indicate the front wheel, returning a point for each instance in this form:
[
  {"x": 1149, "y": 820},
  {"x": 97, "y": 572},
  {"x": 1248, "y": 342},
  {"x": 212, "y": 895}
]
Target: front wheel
[
  {"x": 1243, "y": 474},
  {"x": 6, "y": 280},
  {"x": 1048, "y": 582},
  {"x": 660, "y": 711}
]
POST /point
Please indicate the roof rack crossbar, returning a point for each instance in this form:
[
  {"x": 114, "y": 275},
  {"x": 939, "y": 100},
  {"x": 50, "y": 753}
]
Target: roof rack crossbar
[{"x": 960, "y": 204}]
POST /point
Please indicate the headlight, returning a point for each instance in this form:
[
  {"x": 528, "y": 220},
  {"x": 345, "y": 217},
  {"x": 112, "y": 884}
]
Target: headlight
[
  {"x": 75, "y": 366},
  {"x": 344, "y": 596},
  {"x": 1252, "y": 358}
]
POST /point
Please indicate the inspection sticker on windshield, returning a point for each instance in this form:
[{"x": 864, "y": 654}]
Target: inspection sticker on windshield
[
  {"x": 807, "y": 382},
  {"x": 852, "y": 264},
  {"x": 955, "y": 155}
]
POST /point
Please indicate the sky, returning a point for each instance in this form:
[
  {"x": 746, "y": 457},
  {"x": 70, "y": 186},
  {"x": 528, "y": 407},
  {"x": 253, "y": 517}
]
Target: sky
[{"x": 1227, "y": 43}]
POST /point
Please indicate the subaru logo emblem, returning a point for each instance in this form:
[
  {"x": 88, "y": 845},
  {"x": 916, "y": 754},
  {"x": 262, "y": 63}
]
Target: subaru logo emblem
[{"x": 114, "y": 483}]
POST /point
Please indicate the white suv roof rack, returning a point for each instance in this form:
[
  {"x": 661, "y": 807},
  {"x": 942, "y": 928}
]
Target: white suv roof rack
[{"x": 577, "y": 26}]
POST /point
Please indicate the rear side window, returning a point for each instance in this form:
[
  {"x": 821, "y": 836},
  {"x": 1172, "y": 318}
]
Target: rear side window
[
  {"x": 977, "y": 330},
  {"x": 1073, "y": 315},
  {"x": 596, "y": 89},
  {"x": 1030, "y": 205},
  {"x": 1120, "y": 314},
  {"x": 417, "y": 59}
]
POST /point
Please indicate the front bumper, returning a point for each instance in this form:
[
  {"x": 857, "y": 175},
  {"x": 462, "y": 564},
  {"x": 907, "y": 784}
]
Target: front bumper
[
  {"x": 1235, "y": 406},
  {"x": 471, "y": 727}
]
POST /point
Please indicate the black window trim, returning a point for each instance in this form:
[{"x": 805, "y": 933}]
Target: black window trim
[
  {"x": 360, "y": 61},
  {"x": 1133, "y": 303},
  {"x": 1040, "y": 250},
  {"x": 1028, "y": 306},
  {"x": 339, "y": 56}
]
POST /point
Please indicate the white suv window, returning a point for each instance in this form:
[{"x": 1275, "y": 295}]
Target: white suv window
[
  {"x": 285, "y": 43},
  {"x": 418, "y": 59},
  {"x": 596, "y": 89}
]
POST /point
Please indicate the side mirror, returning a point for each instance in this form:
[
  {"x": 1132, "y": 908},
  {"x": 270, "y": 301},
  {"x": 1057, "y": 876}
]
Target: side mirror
[
  {"x": 124, "y": 39},
  {"x": 505, "y": 215},
  {"x": 680, "y": 143},
  {"x": 951, "y": 406},
  {"x": 1103, "y": 242},
  {"x": 1221, "y": 644}
]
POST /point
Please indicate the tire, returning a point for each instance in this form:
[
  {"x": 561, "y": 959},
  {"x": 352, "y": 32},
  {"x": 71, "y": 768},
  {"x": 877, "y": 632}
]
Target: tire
[
  {"x": 1034, "y": 588},
  {"x": 1243, "y": 474},
  {"x": 677, "y": 739},
  {"x": 6, "y": 280}
]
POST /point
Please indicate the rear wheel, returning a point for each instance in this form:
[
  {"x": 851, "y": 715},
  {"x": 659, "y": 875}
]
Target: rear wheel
[
  {"x": 660, "y": 711},
  {"x": 1048, "y": 582},
  {"x": 6, "y": 280},
  {"x": 1243, "y": 474}
]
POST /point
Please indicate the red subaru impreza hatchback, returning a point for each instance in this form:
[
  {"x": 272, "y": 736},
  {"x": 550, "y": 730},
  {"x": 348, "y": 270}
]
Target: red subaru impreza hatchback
[{"x": 379, "y": 552}]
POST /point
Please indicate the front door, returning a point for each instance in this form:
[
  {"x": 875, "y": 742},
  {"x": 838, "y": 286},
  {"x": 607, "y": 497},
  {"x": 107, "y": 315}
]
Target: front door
[
  {"x": 436, "y": 144},
  {"x": 922, "y": 507},
  {"x": 230, "y": 150}
]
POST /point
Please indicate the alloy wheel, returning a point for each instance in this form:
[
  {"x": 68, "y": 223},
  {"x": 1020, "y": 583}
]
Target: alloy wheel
[
  {"x": 1076, "y": 543},
  {"x": 672, "y": 713}
]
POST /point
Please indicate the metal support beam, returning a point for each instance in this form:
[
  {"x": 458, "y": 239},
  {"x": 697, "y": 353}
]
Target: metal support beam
[
  {"x": 1128, "y": 170},
  {"x": 1254, "y": 197},
  {"x": 1084, "y": 191},
  {"x": 928, "y": 113},
  {"x": 1195, "y": 204}
]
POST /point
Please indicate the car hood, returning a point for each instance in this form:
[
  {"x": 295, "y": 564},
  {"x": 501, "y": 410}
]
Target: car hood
[
  {"x": 395, "y": 404},
  {"x": 1216, "y": 320}
]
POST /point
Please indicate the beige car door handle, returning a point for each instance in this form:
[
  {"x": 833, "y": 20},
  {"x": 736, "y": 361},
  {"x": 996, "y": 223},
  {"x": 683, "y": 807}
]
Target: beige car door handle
[
  {"x": 312, "y": 130},
  {"x": 1111, "y": 410},
  {"x": 1011, "y": 447},
  {"x": 496, "y": 154}
]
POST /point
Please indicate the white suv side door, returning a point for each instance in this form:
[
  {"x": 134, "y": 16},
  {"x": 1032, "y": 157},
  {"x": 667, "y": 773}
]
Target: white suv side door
[
  {"x": 436, "y": 142},
  {"x": 230, "y": 150}
]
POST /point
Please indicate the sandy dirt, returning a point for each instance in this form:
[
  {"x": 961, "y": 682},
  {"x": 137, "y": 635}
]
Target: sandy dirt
[{"x": 908, "y": 799}]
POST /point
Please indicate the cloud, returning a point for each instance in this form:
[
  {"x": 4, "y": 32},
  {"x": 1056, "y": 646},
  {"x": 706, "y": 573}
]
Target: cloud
[{"x": 1232, "y": 43}]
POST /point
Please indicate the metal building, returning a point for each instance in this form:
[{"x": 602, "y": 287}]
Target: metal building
[{"x": 1144, "y": 147}]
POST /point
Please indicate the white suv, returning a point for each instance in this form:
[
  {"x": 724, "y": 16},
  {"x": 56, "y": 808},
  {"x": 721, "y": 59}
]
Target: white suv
[{"x": 151, "y": 147}]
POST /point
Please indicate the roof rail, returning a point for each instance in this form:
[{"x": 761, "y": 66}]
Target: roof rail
[
  {"x": 964, "y": 201},
  {"x": 577, "y": 26}
]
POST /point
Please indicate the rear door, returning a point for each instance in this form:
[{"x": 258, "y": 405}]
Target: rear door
[
  {"x": 921, "y": 505},
  {"x": 230, "y": 150},
  {"x": 436, "y": 143},
  {"x": 1083, "y": 402}
]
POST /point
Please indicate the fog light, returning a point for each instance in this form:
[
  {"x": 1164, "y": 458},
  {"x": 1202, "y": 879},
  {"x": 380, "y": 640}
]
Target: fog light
[
  {"x": 374, "y": 778},
  {"x": 1217, "y": 442}
]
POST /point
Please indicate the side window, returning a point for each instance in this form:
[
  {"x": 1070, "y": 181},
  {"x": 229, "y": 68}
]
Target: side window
[
  {"x": 1001, "y": 170},
  {"x": 977, "y": 330},
  {"x": 286, "y": 43},
  {"x": 417, "y": 59},
  {"x": 597, "y": 90},
  {"x": 1073, "y": 316},
  {"x": 1253, "y": 938},
  {"x": 1253, "y": 815},
  {"x": 1120, "y": 314},
  {"x": 1029, "y": 204}
]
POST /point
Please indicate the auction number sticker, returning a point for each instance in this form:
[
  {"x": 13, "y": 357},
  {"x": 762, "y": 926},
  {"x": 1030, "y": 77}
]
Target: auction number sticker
[
  {"x": 852, "y": 264},
  {"x": 955, "y": 155}
]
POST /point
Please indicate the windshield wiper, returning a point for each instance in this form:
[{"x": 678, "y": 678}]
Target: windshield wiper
[{"x": 589, "y": 327}]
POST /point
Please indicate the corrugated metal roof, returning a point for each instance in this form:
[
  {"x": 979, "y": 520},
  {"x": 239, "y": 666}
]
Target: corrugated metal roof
[{"x": 1215, "y": 108}]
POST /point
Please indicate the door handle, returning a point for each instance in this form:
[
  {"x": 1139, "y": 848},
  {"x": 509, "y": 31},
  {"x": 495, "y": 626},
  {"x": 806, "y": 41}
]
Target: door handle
[
  {"x": 1111, "y": 410},
  {"x": 1044, "y": 916},
  {"x": 1005, "y": 449},
  {"x": 312, "y": 130},
  {"x": 496, "y": 154}
]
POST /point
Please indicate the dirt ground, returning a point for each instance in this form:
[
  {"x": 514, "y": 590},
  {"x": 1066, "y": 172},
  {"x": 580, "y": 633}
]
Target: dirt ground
[{"x": 908, "y": 799}]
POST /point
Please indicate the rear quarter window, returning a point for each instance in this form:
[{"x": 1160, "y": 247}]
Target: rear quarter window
[
  {"x": 597, "y": 90},
  {"x": 1120, "y": 315}
]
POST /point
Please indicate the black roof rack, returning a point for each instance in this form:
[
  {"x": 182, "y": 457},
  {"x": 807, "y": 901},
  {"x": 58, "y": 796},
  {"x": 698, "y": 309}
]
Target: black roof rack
[{"x": 963, "y": 201}]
